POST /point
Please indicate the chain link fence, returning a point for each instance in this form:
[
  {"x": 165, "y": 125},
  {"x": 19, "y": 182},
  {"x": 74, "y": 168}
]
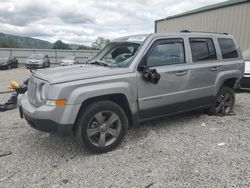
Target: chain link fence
[{"x": 55, "y": 55}]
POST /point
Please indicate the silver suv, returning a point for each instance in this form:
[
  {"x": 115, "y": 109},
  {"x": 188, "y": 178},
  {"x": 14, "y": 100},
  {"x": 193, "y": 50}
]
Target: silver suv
[{"x": 134, "y": 79}]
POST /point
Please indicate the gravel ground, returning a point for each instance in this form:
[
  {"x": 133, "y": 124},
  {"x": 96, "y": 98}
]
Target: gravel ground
[{"x": 188, "y": 150}]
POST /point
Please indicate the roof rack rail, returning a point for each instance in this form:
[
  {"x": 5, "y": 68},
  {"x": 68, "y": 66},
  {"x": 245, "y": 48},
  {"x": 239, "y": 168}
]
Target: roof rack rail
[{"x": 187, "y": 31}]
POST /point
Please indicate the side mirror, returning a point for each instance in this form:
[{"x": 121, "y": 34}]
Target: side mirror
[{"x": 151, "y": 75}]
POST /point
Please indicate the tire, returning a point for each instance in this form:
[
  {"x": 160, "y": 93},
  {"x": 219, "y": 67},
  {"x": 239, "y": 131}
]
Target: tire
[
  {"x": 96, "y": 122},
  {"x": 223, "y": 102}
]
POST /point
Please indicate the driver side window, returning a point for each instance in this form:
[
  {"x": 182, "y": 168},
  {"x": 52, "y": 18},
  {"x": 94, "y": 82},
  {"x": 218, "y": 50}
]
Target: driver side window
[{"x": 166, "y": 52}]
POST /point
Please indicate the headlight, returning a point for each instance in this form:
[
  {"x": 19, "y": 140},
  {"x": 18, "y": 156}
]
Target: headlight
[
  {"x": 43, "y": 89},
  {"x": 43, "y": 94}
]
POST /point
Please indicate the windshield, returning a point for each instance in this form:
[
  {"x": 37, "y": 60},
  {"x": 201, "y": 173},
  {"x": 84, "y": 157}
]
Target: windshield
[
  {"x": 246, "y": 54},
  {"x": 117, "y": 54},
  {"x": 36, "y": 56},
  {"x": 69, "y": 58}
]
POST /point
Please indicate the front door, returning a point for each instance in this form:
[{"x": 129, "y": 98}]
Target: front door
[{"x": 167, "y": 56}]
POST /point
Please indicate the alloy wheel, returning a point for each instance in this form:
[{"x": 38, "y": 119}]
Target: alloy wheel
[
  {"x": 104, "y": 128},
  {"x": 224, "y": 104}
]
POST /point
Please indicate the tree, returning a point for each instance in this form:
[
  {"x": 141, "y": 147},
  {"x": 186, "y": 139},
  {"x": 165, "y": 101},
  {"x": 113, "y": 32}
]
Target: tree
[
  {"x": 60, "y": 45},
  {"x": 9, "y": 43},
  {"x": 12, "y": 43},
  {"x": 100, "y": 43}
]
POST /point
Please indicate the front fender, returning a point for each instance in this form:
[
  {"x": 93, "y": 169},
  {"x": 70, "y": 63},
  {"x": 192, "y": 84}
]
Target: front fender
[{"x": 81, "y": 94}]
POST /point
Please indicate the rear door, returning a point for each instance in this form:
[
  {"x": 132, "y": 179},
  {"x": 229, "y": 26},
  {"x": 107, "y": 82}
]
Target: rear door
[{"x": 204, "y": 69}]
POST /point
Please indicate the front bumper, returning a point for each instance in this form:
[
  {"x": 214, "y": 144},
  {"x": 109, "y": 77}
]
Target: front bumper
[
  {"x": 245, "y": 83},
  {"x": 50, "y": 119},
  {"x": 49, "y": 126}
]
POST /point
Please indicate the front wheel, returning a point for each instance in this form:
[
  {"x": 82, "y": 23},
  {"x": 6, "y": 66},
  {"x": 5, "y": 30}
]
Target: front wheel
[
  {"x": 101, "y": 126},
  {"x": 223, "y": 102}
]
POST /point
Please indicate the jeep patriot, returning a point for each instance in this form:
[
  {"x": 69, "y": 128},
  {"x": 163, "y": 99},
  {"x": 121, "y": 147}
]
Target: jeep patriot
[{"x": 134, "y": 79}]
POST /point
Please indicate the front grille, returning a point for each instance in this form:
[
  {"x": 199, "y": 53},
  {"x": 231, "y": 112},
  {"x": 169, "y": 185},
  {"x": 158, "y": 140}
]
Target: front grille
[{"x": 32, "y": 91}]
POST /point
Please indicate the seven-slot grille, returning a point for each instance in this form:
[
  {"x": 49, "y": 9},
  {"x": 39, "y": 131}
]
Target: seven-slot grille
[{"x": 32, "y": 91}]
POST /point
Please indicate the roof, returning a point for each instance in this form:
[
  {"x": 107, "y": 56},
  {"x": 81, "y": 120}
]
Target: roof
[{"x": 206, "y": 8}]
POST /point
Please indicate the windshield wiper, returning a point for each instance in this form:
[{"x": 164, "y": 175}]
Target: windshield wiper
[{"x": 100, "y": 62}]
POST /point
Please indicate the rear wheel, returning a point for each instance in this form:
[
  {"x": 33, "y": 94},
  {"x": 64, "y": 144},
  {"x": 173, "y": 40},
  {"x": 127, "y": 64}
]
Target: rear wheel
[
  {"x": 223, "y": 102},
  {"x": 101, "y": 126}
]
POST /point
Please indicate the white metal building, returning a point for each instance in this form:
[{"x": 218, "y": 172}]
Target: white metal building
[{"x": 232, "y": 17}]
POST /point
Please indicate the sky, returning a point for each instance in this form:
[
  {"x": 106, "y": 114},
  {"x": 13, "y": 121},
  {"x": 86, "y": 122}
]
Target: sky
[{"x": 82, "y": 21}]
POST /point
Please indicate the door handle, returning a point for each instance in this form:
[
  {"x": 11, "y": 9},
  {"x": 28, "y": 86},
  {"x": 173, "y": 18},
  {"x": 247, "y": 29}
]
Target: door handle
[
  {"x": 215, "y": 68},
  {"x": 180, "y": 73}
]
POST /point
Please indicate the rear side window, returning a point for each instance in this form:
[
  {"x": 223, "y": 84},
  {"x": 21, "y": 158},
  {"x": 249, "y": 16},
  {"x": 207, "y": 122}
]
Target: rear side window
[
  {"x": 202, "y": 49},
  {"x": 228, "y": 48}
]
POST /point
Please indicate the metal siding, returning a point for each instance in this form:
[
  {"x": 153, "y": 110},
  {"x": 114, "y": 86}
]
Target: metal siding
[{"x": 234, "y": 20}]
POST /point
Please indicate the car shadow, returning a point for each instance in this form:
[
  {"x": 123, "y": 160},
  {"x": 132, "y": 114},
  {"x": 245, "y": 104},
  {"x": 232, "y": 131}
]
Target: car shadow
[
  {"x": 48, "y": 144},
  {"x": 169, "y": 122}
]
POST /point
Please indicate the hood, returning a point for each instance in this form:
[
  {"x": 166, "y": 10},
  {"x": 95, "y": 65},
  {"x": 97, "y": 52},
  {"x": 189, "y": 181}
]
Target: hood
[
  {"x": 79, "y": 72},
  {"x": 247, "y": 67}
]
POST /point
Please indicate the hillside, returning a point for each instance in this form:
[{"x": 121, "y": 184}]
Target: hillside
[{"x": 12, "y": 41}]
